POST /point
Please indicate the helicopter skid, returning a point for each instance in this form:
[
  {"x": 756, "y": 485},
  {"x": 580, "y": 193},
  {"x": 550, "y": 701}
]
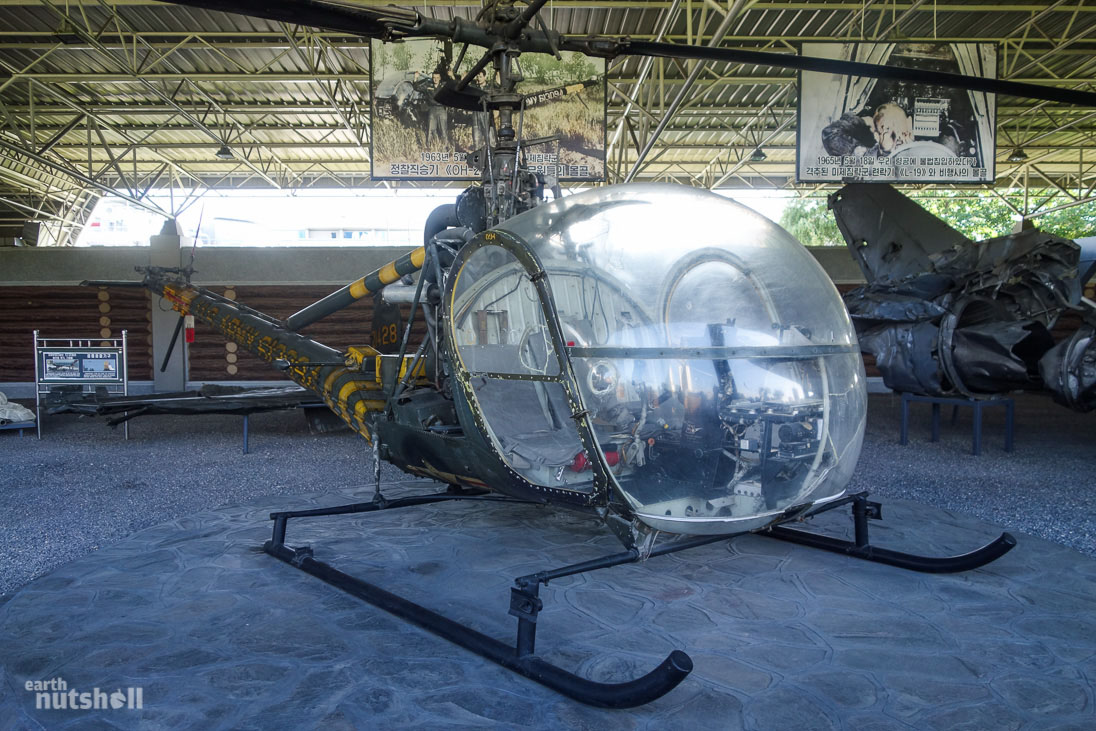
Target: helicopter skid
[
  {"x": 860, "y": 547},
  {"x": 636, "y": 692},
  {"x": 525, "y": 602}
]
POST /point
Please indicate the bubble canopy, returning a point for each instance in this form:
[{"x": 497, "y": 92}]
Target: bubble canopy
[{"x": 664, "y": 344}]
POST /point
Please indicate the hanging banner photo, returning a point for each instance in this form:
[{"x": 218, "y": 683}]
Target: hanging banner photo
[
  {"x": 415, "y": 138},
  {"x": 873, "y": 130}
]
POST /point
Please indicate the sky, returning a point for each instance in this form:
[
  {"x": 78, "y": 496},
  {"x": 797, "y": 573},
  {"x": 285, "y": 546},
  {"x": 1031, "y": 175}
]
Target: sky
[{"x": 318, "y": 217}]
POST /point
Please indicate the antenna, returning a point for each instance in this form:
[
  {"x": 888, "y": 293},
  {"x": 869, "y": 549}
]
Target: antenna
[{"x": 187, "y": 271}]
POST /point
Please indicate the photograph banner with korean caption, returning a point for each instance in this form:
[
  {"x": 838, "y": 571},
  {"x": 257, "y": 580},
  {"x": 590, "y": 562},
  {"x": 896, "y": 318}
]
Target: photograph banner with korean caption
[
  {"x": 853, "y": 128},
  {"x": 415, "y": 138}
]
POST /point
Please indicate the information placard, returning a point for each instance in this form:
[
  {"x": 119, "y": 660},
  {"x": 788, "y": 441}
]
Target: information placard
[{"x": 80, "y": 365}]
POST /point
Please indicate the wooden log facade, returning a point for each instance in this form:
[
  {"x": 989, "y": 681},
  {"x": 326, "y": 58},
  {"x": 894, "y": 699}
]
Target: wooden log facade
[
  {"x": 103, "y": 312},
  {"x": 72, "y": 312},
  {"x": 93, "y": 313}
]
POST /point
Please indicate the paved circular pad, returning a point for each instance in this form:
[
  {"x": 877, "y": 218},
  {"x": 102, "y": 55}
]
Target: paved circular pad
[{"x": 217, "y": 633}]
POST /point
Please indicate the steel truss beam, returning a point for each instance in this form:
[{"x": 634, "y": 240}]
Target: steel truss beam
[
  {"x": 263, "y": 41},
  {"x": 686, "y": 123},
  {"x": 852, "y": 6}
]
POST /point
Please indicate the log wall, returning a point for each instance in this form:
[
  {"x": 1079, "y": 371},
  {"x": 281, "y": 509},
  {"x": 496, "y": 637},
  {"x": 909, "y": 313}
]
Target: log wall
[
  {"x": 85, "y": 312},
  {"x": 72, "y": 312}
]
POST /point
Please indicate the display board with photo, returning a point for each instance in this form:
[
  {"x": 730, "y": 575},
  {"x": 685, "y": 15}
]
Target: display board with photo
[
  {"x": 854, "y": 128},
  {"x": 86, "y": 365},
  {"x": 415, "y": 138}
]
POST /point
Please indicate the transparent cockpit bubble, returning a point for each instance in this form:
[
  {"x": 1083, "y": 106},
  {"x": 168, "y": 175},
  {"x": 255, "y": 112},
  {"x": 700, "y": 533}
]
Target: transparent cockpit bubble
[
  {"x": 503, "y": 344},
  {"x": 713, "y": 353}
]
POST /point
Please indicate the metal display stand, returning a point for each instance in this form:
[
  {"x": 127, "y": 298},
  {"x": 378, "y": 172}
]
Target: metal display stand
[
  {"x": 20, "y": 425},
  {"x": 80, "y": 361},
  {"x": 976, "y": 404}
]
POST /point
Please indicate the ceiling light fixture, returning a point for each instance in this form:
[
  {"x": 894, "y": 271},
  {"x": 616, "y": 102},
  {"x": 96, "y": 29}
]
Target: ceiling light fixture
[
  {"x": 1017, "y": 155},
  {"x": 67, "y": 34},
  {"x": 224, "y": 153},
  {"x": 758, "y": 155}
]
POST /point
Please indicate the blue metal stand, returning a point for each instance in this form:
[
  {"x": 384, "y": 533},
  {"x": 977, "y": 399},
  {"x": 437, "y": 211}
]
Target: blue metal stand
[
  {"x": 20, "y": 425},
  {"x": 976, "y": 404},
  {"x": 303, "y": 407}
]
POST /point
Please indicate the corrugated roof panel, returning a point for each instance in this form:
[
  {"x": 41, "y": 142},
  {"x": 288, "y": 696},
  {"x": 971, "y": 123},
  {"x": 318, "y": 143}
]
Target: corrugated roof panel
[{"x": 225, "y": 76}]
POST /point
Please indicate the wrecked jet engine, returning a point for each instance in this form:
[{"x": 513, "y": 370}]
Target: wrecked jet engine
[{"x": 947, "y": 316}]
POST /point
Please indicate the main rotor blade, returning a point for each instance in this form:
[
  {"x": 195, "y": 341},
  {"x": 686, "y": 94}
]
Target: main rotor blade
[
  {"x": 849, "y": 68},
  {"x": 171, "y": 345},
  {"x": 388, "y": 23},
  {"x": 367, "y": 22},
  {"x": 393, "y": 23}
]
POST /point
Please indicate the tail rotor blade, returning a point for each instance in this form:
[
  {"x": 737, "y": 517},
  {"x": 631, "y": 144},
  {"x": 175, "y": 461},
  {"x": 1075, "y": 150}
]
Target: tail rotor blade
[
  {"x": 197, "y": 232},
  {"x": 171, "y": 345}
]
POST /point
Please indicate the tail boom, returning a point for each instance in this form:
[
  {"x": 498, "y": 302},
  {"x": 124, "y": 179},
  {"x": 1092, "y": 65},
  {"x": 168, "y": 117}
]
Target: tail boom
[{"x": 347, "y": 391}]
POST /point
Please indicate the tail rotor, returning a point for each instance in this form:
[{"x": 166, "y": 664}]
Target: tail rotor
[{"x": 186, "y": 321}]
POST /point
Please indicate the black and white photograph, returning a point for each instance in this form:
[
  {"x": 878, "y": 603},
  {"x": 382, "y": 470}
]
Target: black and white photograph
[{"x": 854, "y": 128}]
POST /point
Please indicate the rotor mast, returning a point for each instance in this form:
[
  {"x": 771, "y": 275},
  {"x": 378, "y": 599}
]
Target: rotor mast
[{"x": 506, "y": 190}]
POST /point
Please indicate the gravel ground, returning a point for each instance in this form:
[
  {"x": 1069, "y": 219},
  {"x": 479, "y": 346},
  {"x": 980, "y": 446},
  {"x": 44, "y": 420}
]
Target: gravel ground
[
  {"x": 82, "y": 487},
  {"x": 1045, "y": 487}
]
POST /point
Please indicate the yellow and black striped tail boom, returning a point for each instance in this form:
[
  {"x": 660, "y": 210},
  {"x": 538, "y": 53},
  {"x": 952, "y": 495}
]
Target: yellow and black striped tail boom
[{"x": 350, "y": 386}]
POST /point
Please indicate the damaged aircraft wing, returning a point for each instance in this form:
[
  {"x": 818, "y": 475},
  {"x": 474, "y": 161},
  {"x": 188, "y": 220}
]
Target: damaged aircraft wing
[
  {"x": 210, "y": 399},
  {"x": 947, "y": 316}
]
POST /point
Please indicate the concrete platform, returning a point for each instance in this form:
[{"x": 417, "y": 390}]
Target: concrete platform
[{"x": 219, "y": 635}]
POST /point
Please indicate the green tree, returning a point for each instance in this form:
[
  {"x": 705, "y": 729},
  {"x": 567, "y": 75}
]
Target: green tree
[
  {"x": 535, "y": 67},
  {"x": 977, "y": 217},
  {"x": 810, "y": 221},
  {"x": 578, "y": 68},
  {"x": 1072, "y": 223},
  {"x": 401, "y": 57}
]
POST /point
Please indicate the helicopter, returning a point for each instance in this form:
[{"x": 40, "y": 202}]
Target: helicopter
[{"x": 656, "y": 356}]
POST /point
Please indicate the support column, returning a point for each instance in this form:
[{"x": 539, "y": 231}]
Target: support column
[{"x": 166, "y": 251}]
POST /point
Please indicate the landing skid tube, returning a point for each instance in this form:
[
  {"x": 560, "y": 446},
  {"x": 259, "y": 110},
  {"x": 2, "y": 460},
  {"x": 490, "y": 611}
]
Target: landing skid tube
[
  {"x": 525, "y": 602},
  {"x": 860, "y": 547},
  {"x": 525, "y": 605}
]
